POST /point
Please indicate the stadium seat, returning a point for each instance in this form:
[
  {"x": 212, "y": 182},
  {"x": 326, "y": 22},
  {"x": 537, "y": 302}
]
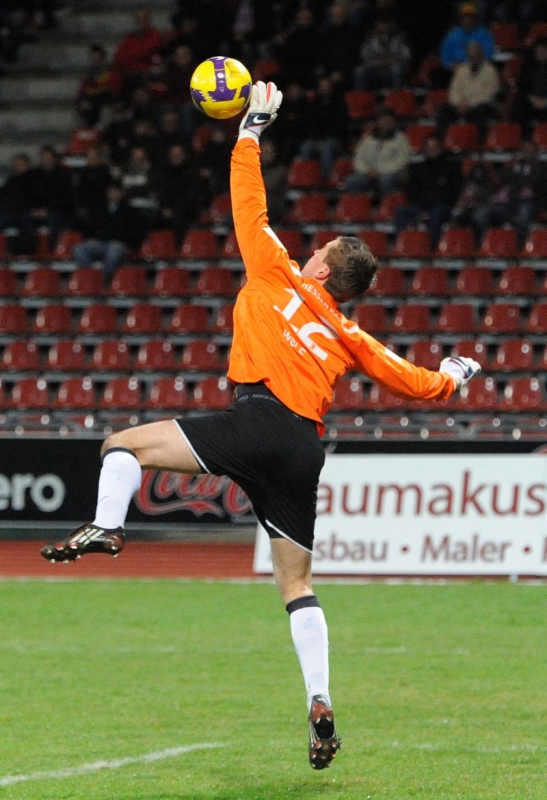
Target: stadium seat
[
  {"x": 341, "y": 168},
  {"x": 212, "y": 394},
  {"x": 168, "y": 393},
  {"x": 502, "y": 318},
  {"x": 66, "y": 355},
  {"x": 321, "y": 238},
  {"x": 537, "y": 321},
  {"x": 111, "y": 355},
  {"x": 433, "y": 100},
  {"x": 431, "y": 281},
  {"x": 129, "y": 281},
  {"x": 474, "y": 282},
  {"x": 518, "y": 281},
  {"x": 171, "y": 282},
  {"x": 361, "y": 104},
  {"x": 53, "y": 319},
  {"x": 189, "y": 318},
  {"x": 230, "y": 248},
  {"x": 479, "y": 394},
  {"x": 8, "y": 282},
  {"x": 352, "y": 208},
  {"x": 537, "y": 30},
  {"x": 157, "y": 355},
  {"x": 81, "y": 140},
  {"x": 390, "y": 281},
  {"x": 200, "y": 245},
  {"x": 20, "y": 356},
  {"x": 13, "y": 319},
  {"x": 66, "y": 243},
  {"x": 499, "y": 243},
  {"x": 535, "y": 245},
  {"x": 506, "y": 36},
  {"x": 461, "y": 137},
  {"x": 376, "y": 241},
  {"x": 412, "y": 318},
  {"x": 388, "y": 205},
  {"x": 417, "y": 135},
  {"x": 304, "y": 174},
  {"x": 402, "y": 102},
  {"x": 503, "y": 136},
  {"x": 143, "y": 319},
  {"x": 380, "y": 399},
  {"x": 202, "y": 355},
  {"x": 514, "y": 355},
  {"x": 539, "y": 136},
  {"x": 215, "y": 281},
  {"x": 428, "y": 354},
  {"x": 159, "y": 245},
  {"x": 42, "y": 281},
  {"x": 310, "y": 208},
  {"x": 76, "y": 393},
  {"x": 471, "y": 348},
  {"x": 98, "y": 319},
  {"x": 371, "y": 317},
  {"x": 456, "y": 243},
  {"x": 30, "y": 393},
  {"x": 348, "y": 395},
  {"x": 511, "y": 71},
  {"x": 85, "y": 282},
  {"x": 224, "y": 319},
  {"x": 123, "y": 393},
  {"x": 220, "y": 209},
  {"x": 456, "y": 318},
  {"x": 524, "y": 394},
  {"x": 292, "y": 240},
  {"x": 412, "y": 244}
]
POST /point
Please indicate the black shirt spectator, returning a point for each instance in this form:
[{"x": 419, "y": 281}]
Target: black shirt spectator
[
  {"x": 15, "y": 194},
  {"x": 530, "y": 106},
  {"x": 117, "y": 135},
  {"x": 182, "y": 192},
  {"x": 92, "y": 183},
  {"x": 329, "y": 123},
  {"x": 300, "y": 49},
  {"x": 52, "y": 191}
]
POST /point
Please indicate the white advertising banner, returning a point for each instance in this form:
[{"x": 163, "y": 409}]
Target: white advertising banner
[{"x": 428, "y": 515}]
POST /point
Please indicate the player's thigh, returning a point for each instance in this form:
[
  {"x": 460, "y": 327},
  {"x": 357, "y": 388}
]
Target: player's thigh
[
  {"x": 158, "y": 445},
  {"x": 292, "y": 569}
]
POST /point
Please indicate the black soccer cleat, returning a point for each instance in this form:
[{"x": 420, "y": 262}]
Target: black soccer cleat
[
  {"x": 88, "y": 538},
  {"x": 324, "y": 741}
]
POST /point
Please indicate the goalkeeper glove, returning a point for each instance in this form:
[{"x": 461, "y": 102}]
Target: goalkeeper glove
[
  {"x": 461, "y": 369},
  {"x": 263, "y": 108}
]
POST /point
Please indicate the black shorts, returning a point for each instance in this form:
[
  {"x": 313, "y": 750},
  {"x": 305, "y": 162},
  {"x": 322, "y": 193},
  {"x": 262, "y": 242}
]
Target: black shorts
[{"x": 275, "y": 455}]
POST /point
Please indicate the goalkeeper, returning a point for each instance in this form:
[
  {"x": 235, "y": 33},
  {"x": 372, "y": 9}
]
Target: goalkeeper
[{"x": 291, "y": 345}]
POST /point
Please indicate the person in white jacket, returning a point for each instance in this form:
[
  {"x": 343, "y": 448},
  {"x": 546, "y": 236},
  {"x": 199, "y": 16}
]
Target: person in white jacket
[{"x": 381, "y": 158}]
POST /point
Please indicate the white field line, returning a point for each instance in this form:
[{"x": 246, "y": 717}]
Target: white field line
[{"x": 115, "y": 763}]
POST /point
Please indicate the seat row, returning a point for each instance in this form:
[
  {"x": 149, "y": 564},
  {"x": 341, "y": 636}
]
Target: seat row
[{"x": 517, "y": 281}]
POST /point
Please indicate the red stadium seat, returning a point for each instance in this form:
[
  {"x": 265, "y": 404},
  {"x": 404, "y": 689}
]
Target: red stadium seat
[
  {"x": 216, "y": 281},
  {"x": 390, "y": 281},
  {"x": 514, "y": 355},
  {"x": 189, "y": 318},
  {"x": 67, "y": 355},
  {"x": 8, "y": 282},
  {"x": 129, "y": 282},
  {"x": 30, "y": 393},
  {"x": 98, "y": 318},
  {"x": 292, "y": 241},
  {"x": 66, "y": 243},
  {"x": 456, "y": 318},
  {"x": 42, "y": 281},
  {"x": 474, "y": 281},
  {"x": 479, "y": 394},
  {"x": 461, "y": 137},
  {"x": 348, "y": 395},
  {"x": 376, "y": 241},
  {"x": 502, "y": 318},
  {"x": 511, "y": 71},
  {"x": 76, "y": 393},
  {"x": 212, "y": 394},
  {"x": 540, "y": 135},
  {"x": 111, "y": 354},
  {"x": 159, "y": 245},
  {"x": 13, "y": 319},
  {"x": 143, "y": 318},
  {"x": 412, "y": 318},
  {"x": 506, "y": 35},
  {"x": 310, "y": 208},
  {"x": 425, "y": 354},
  {"x": 537, "y": 321},
  {"x": 304, "y": 174},
  {"x": 402, "y": 102},
  {"x": 224, "y": 319},
  {"x": 200, "y": 245},
  {"x": 53, "y": 319},
  {"x": 412, "y": 244},
  {"x": 499, "y": 243},
  {"x": 535, "y": 245},
  {"x": 86, "y": 282},
  {"x": 230, "y": 248},
  {"x": 157, "y": 355},
  {"x": 524, "y": 394},
  {"x": 202, "y": 356},
  {"x": 388, "y": 204},
  {"x": 168, "y": 394},
  {"x": 371, "y": 317},
  {"x": 517, "y": 281},
  {"x": 81, "y": 140},
  {"x": 122, "y": 393},
  {"x": 471, "y": 348},
  {"x": 537, "y": 30},
  {"x": 220, "y": 209},
  {"x": 434, "y": 99},
  {"x": 171, "y": 282},
  {"x": 503, "y": 136},
  {"x": 321, "y": 238},
  {"x": 456, "y": 243},
  {"x": 432, "y": 281},
  {"x": 417, "y": 135},
  {"x": 380, "y": 399},
  {"x": 352, "y": 208},
  {"x": 361, "y": 104},
  {"x": 341, "y": 168},
  {"x": 20, "y": 357}
]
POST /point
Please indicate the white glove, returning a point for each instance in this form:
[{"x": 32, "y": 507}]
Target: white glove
[
  {"x": 461, "y": 369},
  {"x": 263, "y": 108}
]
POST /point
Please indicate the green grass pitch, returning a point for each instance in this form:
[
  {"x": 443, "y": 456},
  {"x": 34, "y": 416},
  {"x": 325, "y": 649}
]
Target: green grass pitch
[{"x": 440, "y": 691}]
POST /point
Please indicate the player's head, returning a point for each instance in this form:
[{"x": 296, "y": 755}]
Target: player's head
[{"x": 345, "y": 266}]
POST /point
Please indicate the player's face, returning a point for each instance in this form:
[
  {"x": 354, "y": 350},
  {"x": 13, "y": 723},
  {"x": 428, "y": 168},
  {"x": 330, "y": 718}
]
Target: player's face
[{"x": 317, "y": 263}]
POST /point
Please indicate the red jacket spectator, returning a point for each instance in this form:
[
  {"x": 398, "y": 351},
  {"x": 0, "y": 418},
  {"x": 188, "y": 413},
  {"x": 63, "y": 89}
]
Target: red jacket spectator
[{"x": 134, "y": 53}]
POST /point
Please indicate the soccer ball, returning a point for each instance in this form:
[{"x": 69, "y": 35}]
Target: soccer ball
[{"x": 221, "y": 87}]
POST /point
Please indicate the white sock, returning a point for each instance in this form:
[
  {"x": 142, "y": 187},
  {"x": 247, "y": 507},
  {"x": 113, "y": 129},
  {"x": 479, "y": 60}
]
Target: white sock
[
  {"x": 311, "y": 642},
  {"x": 120, "y": 478}
]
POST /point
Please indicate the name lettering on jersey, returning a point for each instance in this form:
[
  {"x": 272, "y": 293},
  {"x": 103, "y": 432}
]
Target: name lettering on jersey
[
  {"x": 293, "y": 342},
  {"x": 305, "y": 331}
]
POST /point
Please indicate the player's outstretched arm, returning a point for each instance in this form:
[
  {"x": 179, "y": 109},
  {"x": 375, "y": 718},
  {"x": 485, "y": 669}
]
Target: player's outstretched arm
[
  {"x": 461, "y": 369},
  {"x": 265, "y": 101}
]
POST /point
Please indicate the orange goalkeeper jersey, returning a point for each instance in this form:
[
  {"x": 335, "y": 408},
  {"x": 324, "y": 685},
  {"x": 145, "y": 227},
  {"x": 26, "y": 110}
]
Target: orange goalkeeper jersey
[{"x": 288, "y": 330}]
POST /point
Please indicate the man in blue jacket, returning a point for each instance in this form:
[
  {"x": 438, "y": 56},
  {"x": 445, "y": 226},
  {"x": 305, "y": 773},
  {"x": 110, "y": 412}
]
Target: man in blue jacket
[{"x": 454, "y": 44}]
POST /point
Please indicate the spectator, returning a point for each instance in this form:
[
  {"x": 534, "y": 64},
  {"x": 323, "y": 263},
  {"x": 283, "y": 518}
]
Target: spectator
[
  {"x": 144, "y": 135},
  {"x": 213, "y": 161},
  {"x": 381, "y": 158},
  {"x": 182, "y": 193},
  {"x": 274, "y": 173},
  {"x": 340, "y": 40},
  {"x": 52, "y": 203},
  {"x": 384, "y": 58},
  {"x": 140, "y": 186},
  {"x": 454, "y": 46},
  {"x": 156, "y": 79},
  {"x": 141, "y": 104},
  {"x": 180, "y": 68},
  {"x": 15, "y": 195},
  {"x": 471, "y": 94},
  {"x": 134, "y": 54},
  {"x": 171, "y": 132},
  {"x": 204, "y": 27},
  {"x": 432, "y": 190},
  {"x": 329, "y": 121},
  {"x": 530, "y": 106},
  {"x": 472, "y": 203},
  {"x": 300, "y": 49},
  {"x": 98, "y": 87},
  {"x": 117, "y": 134},
  {"x": 92, "y": 183},
  {"x": 112, "y": 231},
  {"x": 291, "y": 127}
]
